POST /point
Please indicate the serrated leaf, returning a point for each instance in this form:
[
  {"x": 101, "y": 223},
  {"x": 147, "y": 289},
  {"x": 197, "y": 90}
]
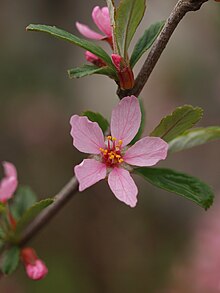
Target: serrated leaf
[
  {"x": 31, "y": 213},
  {"x": 141, "y": 129},
  {"x": 146, "y": 41},
  {"x": 23, "y": 199},
  {"x": 86, "y": 70},
  {"x": 128, "y": 16},
  {"x": 10, "y": 260},
  {"x": 66, "y": 36},
  {"x": 179, "y": 121},
  {"x": 179, "y": 183},
  {"x": 97, "y": 117},
  {"x": 194, "y": 137}
]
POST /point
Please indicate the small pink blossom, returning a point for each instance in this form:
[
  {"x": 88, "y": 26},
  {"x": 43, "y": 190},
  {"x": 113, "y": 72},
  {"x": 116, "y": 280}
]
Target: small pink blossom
[
  {"x": 9, "y": 183},
  {"x": 92, "y": 58},
  {"x": 35, "y": 267},
  {"x": 102, "y": 20},
  {"x": 111, "y": 156}
]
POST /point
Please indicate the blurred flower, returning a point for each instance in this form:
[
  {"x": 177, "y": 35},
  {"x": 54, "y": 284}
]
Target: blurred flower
[
  {"x": 200, "y": 273},
  {"x": 35, "y": 267},
  {"x": 111, "y": 156},
  {"x": 102, "y": 20},
  {"x": 9, "y": 183},
  {"x": 125, "y": 73},
  {"x": 92, "y": 58}
]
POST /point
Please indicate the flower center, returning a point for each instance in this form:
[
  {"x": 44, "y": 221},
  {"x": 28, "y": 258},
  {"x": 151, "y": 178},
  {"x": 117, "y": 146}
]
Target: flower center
[{"x": 111, "y": 155}]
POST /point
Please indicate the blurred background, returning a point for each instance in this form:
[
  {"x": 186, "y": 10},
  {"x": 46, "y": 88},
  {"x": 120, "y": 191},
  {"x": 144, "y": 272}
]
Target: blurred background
[{"x": 97, "y": 244}]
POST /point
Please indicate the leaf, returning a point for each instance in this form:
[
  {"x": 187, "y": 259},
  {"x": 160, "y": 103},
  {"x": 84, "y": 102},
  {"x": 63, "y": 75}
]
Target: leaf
[
  {"x": 180, "y": 120},
  {"x": 23, "y": 199},
  {"x": 97, "y": 117},
  {"x": 112, "y": 13},
  {"x": 146, "y": 41},
  {"x": 86, "y": 70},
  {"x": 179, "y": 183},
  {"x": 194, "y": 137},
  {"x": 2, "y": 208},
  {"x": 31, "y": 213},
  {"x": 66, "y": 36},
  {"x": 141, "y": 129},
  {"x": 128, "y": 16},
  {"x": 10, "y": 260}
]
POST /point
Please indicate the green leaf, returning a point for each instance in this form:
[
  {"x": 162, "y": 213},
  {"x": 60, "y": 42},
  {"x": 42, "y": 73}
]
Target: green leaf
[
  {"x": 23, "y": 200},
  {"x": 97, "y": 117},
  {"x": 10, "y": 260},
  {"x": 128, "y": 16},
  {"x": 2, "y": 208},
  {"x": 141, "y": 129},
  {"x": 86, "y": 70},
  {"x": 194, "y": 137},
  {"x": 179, "y": 121},
  {"x": 179, "y": 183},
  {"x": 31, "y": 213},
  {"x": 66, "y": 36},
  {"x": 146, "y": 41}
]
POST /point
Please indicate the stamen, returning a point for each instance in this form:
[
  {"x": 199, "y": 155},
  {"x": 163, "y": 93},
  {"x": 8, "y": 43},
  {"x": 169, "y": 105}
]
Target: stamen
[
  {"x": 109, "y": 137},
  {"x": 114, "y": 139},
  {"x": 120, "y": 160},
  {"x": 120, "y": 142}
]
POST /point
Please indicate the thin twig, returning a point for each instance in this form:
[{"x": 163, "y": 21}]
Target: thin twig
[
  {"x": 181, "y": 8},
  {"x": 39, "y": 222},
  {"x": 179, "y": 11}
]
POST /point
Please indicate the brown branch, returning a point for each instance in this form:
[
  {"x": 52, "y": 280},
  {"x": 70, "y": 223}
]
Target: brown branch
[
  {"x": 181, "y": 8},
  {"x": 179, "y": 11},
  {"x": 61, "y": 199}
]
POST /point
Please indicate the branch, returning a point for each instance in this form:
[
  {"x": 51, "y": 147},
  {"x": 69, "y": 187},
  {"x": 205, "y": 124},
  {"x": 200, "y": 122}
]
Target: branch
[
  {"x": 179, "y": 11},
  {"x": 181, "y": 8},
  {"x": 61, "y": 199}
]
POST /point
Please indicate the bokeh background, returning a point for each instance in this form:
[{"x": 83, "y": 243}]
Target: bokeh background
[{"x": 97, "y": 244}]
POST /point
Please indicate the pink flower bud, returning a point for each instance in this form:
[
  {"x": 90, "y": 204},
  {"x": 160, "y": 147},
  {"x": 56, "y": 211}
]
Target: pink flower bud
[
  {"x": 9, "y": 183},
  {"x": 125, "y": 74},
  {"x": 35, "y": 267},
  {"x": 92, "y": 58}
]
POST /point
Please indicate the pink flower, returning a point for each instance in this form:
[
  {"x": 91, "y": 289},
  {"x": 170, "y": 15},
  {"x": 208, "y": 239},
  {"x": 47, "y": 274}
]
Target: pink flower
[
  {"x": 9, "y": 183},
  {"x": 102, "y": 20},
  {"x": 111, "y": 156},
  {"x": 35, "y": 267}
]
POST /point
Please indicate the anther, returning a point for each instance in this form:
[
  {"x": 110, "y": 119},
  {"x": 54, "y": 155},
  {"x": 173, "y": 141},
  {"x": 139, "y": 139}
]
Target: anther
[
  {"x": 120, "y": 142},
  {"x": 120, "y": 160},
  {"x": 114, "y": 139},
  {"x": 109, "y": 137}
]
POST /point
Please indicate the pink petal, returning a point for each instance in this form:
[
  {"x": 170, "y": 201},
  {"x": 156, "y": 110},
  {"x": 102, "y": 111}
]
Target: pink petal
[
  {"x": 126, "y": 119},
  {"x": 89, "y": 172},
  {"x": 102, "y": 20},
  {"x": 146, "y": 152},
  {"x": 87, "y": 135},
  {"x": 123, "y": 186},
  {"x": 9, "y": 183},
  {"x": 36, "y": 271},
  {"x": 87, "y": 32}
]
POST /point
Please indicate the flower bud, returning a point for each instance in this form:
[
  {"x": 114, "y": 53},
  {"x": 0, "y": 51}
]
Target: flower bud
[
  {"x": 92, "y": 58},
  {"x": 125, "y": 73},
  {"x": 35, "y": 267}
]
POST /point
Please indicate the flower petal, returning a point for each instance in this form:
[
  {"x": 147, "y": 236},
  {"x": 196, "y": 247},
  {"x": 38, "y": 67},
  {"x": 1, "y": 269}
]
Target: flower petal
[
  {"x": 102, "y": 20},
  {"x": 146, "y": 152},
  {"x": 9, "y": 183},
  {"x": 87, "y": 32},
  {"x": 126, "y": 119},
  {"x": 89, "y": 172},
  {"x": 123, "y": 186},
  {"x": 87, "y": 135}
]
